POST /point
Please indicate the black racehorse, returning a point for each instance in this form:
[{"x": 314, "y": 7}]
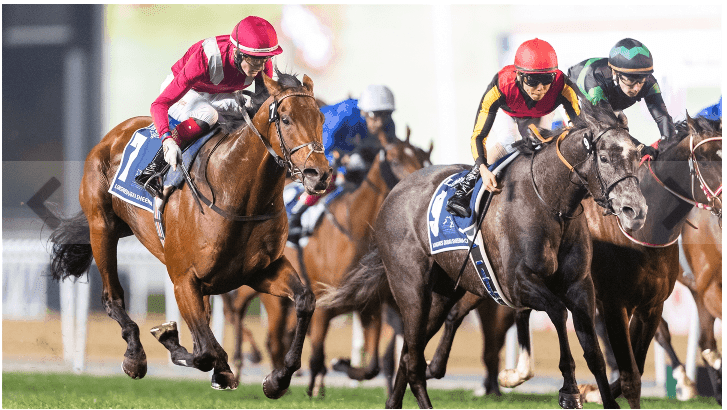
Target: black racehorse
[{"x": 538, "y": 246}]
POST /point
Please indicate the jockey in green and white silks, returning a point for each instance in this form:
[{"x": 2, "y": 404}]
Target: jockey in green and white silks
[{"x": 621, "y": 80}]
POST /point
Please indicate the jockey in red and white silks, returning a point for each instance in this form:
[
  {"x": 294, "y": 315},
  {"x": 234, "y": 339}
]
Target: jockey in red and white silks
[{"x": 202, "y": 84}]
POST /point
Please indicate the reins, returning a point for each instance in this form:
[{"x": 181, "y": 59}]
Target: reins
[{"x": 284, "y": 162}]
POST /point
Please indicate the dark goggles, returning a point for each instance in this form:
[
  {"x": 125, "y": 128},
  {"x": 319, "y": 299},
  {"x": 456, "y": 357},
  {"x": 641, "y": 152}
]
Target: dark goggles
[
  {"x": 377, "y": 114},
  {"x": 632, "y": 79},
  {"x": 255, "y": 61},
  {"x": 533, "y": 80}
]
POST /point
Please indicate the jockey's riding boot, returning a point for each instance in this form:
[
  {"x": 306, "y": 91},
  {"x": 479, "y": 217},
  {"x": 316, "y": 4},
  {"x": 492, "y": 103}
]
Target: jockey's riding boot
[
  {"x": 295, "y": 227},
  {"x": 149, "y": 177},
  {"x": 459, "y": 203}
]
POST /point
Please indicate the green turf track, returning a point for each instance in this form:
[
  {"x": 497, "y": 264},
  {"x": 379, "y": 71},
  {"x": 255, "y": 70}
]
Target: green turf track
[{"x": 47, "y": 390}]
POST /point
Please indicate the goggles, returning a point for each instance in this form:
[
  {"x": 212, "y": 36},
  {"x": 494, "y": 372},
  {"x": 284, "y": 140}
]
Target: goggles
[
  {"x": 255, "y": 61},
  {"x": 533, "y": 80},
  {"x": 631, "y": 80}
]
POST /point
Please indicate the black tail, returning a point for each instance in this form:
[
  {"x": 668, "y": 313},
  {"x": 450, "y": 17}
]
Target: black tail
[
  {"x": 71, "y": 254},
  {"x": 364, "y": 284}
]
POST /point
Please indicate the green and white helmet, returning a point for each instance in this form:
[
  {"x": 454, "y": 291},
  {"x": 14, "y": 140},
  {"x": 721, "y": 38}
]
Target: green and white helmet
[
  {"x": 629, "y": 56},
  {"x": 376, "y": 98}
]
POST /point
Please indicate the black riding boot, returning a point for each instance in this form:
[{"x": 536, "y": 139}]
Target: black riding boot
[
  {"x": 459, "y": 203},
  {"x": 148, "y": 178},
  {"x": 295, "y": 228}
]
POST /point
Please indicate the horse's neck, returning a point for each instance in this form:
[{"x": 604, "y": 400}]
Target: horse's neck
[
  {"x": 245, "y": 178},
  {"x": 553, "y": 178}
]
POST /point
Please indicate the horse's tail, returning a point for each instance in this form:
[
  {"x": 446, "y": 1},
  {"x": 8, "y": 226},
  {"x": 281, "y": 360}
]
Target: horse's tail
[
  {"x": 71, "y": 254},
  {"x": 364, "y": 284}
]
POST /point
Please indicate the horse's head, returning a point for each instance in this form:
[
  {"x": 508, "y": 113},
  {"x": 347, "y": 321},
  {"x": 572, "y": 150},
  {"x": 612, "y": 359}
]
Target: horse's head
[
  {"x": 695, "y": 159},
  {"x": 423, "y": 156},
  {"x": 613, "y": 161},
  {"x": 295, "y": 122}
]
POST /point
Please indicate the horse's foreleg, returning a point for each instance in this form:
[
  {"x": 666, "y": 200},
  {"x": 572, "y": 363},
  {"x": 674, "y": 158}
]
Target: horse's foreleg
[
  {"x": 104, "y": 251},
  {"x": 569, "y": 396},
  {"x": 708, "y": 346},
  {"x": 280, "y": 279},
  {"x": 685, "y": 388},
  {"x": 524, "y": 369},
  {"x": 371, "y": 324}
]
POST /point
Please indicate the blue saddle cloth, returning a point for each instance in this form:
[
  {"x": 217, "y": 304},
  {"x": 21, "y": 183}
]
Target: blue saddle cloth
[{"x": 138, "y": 153}]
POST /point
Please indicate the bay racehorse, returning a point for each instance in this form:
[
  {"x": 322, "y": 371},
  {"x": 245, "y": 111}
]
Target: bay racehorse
[
  {"x": 634, "y": 272},
  {"x": 337, "y": 244},
  {"x": 206, "y": 252},
  {"x": 539, "y": 249}
]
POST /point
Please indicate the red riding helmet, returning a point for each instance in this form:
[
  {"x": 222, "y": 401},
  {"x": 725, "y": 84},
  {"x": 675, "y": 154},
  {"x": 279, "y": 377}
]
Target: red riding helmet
[
  {"x": 536, "y": 56},
  {"x": 254, "y": 36}
]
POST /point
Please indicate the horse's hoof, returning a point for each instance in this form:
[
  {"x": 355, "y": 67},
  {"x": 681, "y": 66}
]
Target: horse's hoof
[
  {"x": 685, "y": 388},
  {"x": 341, "y": 365},
  {"x": 271, "y": 391},
  {"x": 590, "y": 393},
  {"x": 134, "y": 368},
  {"x": 224, "y": 381},
  {"x": 511, "y": 378},
  {"x": 570, "y": 400},
  {"x": 164, "y": 330}
]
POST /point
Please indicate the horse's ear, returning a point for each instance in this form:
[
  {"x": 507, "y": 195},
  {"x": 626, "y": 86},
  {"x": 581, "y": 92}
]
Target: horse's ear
[
  {"x": 691, "y": 125},
  {"x": 431, "y": 147},
  {"x": 308, "y": 83},
  {"x": 408, "y": 133},
  {"x": 272, "y": 85}
]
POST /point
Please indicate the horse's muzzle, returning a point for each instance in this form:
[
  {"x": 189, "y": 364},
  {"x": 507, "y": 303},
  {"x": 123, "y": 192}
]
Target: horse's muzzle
[
  {"x": 631, "y": 211},
  {"x": 316, "y": 181}
]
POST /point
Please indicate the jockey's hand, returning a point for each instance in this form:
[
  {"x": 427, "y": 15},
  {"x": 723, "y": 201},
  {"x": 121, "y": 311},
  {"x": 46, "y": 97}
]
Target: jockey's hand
[
  {"x": 489, "y": 182},
  {"x": 172, "y": 153}
]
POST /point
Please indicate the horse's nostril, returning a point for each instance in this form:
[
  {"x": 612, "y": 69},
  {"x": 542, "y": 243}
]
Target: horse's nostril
[
  {"x": 310, "y": 173},
  {"x": 629, "y": 212}
]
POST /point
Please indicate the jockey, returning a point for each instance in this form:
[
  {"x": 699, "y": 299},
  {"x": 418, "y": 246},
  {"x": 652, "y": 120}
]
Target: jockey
[
  {"x": 350, "y": 130},
  {"x": 202, "y": 84},
  {"x": 526, "y": 91},
  {"x": 621, "y": 80}
]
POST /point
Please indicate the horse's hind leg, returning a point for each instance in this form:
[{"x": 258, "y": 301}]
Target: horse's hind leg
[
  {"x": 438, "y": 365},
  {"x": 708, "y": 346},
  {"x": 104, "y": 239}
]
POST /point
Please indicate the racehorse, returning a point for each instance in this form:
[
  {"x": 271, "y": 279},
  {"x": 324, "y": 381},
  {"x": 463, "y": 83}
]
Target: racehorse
[
  {"x": 634, "y": 277},
  {"x": 337, "y": 244},
  {"x": 539, "y": 249},
  {"x": 207, "y": 253}
]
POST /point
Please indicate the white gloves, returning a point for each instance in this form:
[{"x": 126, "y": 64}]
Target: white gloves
[{"x": 172, "y": 153}]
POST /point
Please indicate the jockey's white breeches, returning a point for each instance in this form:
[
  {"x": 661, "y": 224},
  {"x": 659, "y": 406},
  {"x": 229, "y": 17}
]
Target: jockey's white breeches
[{"x": 203, "y": 106}]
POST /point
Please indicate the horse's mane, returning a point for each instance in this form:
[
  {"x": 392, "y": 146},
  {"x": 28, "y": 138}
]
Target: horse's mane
[
  {"x": 589, "y": 117},
  {"x": 231, "y": 122}
]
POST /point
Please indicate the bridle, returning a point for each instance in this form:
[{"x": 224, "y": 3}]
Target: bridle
[
  {"x": 285, "y": 161},
  {"x": 590, "y": 145},
  {"x": 714, "y": 202}
]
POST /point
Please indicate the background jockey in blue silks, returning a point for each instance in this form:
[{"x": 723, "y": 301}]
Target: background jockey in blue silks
[
  {"x": 713, "y": 112},
  {"x": 353, "y": 132}
]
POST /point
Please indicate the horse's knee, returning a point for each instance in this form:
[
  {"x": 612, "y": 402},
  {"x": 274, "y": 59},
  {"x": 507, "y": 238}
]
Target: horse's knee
[{"x": 305, "y": 303}]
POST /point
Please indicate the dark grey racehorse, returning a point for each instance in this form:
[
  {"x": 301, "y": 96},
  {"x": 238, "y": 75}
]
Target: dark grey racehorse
[{"x": 539, "y": 247}]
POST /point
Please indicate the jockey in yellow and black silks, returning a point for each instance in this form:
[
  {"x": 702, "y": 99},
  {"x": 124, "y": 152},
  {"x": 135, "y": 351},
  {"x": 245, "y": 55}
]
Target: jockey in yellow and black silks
[{"x": 525, "y": 91}]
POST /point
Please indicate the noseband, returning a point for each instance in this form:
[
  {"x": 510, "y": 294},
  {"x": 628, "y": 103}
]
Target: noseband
[{"x": 285, "y": 162}]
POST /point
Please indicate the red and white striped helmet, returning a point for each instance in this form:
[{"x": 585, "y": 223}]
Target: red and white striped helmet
[{"x": 254, "y": 36}]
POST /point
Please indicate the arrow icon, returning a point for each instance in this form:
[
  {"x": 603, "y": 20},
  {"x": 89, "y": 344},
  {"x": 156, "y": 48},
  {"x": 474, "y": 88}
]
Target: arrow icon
[{"x": 36, "y": 202}]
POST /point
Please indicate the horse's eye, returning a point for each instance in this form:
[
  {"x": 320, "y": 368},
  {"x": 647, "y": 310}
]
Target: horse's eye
[
  {"x": 604, "y": 159},
  {"x": 285, "y": 120}
]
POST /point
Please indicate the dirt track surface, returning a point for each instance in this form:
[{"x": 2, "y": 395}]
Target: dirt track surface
[{"x": 41, "y": 341}]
